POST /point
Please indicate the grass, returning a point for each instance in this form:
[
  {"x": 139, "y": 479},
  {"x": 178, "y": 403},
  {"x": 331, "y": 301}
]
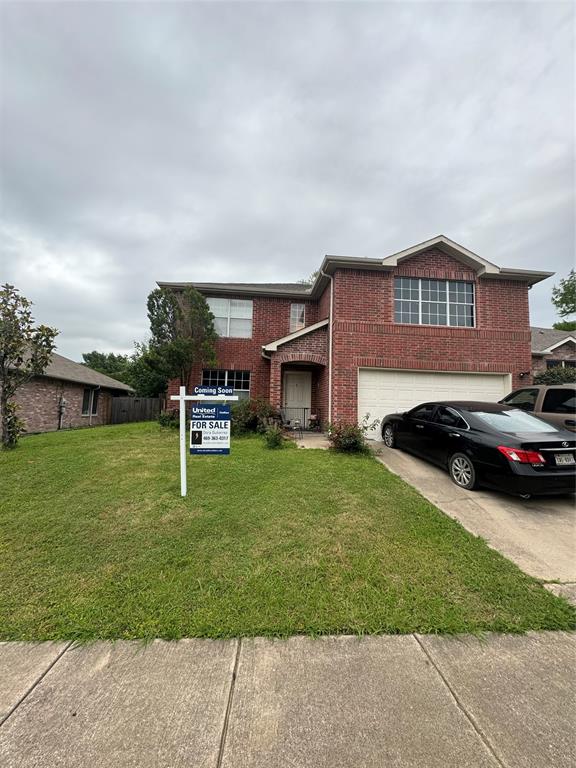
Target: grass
[{"x": 97, "y": 543}]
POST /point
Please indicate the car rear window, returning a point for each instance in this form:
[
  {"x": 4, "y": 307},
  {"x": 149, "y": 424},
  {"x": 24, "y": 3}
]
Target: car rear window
[
  {"x": 560, "y": 401},
  {"x": 514, "y": 421}
]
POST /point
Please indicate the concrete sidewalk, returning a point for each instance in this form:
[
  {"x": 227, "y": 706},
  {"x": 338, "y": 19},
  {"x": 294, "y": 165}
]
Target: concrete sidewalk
[{"x": 333, "y": 702}]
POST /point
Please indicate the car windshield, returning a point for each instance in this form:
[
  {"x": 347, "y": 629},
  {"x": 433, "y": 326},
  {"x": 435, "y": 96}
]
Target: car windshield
[{"x": 514, "y": 421}]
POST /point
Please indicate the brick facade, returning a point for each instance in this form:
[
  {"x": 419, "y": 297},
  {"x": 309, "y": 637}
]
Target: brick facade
[
  {"x": 364, "y": 333},
  {"x": 39, "y": 401},
  {"x": 270, "y": 320},
  {"x": 566, "y": 352}
]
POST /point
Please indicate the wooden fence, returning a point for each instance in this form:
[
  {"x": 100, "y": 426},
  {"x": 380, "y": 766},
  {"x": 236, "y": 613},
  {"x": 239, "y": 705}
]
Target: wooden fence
[{"x": 125, "y": 409}]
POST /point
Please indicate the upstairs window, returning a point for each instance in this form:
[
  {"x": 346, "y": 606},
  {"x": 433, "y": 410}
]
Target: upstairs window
[
  {"x": 240, "y": 380},
  {"x": 232, "y": 317},
  {"x": 420, "y": 301},
  {"x": 297, "y": 317}
]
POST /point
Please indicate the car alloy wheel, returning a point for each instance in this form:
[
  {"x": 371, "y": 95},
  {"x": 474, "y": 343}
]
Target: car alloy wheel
[
  {"x": 389, "y": 437},
  {"x": 462, "y": 471}
]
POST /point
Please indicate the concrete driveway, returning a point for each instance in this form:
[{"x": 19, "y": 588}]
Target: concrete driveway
[{"x": 539, "y": 534}]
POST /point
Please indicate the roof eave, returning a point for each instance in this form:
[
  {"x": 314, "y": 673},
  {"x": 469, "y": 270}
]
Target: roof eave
[
  {"x": 525, "y": 275},
  {"x": 60, "y": 377},
  {"x": 273, "y": 345},
  {"x": 229, "y": 290}
]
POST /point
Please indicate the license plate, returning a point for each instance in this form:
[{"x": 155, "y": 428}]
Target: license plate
[{"x": 564, "y": 458}]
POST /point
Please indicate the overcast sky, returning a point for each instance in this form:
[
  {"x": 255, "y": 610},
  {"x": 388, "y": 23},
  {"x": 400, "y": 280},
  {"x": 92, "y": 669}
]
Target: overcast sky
[{"x": 243, "y": 141}]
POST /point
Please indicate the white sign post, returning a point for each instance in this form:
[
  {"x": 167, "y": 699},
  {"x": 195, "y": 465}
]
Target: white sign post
[{"x": 206, "y": 394}]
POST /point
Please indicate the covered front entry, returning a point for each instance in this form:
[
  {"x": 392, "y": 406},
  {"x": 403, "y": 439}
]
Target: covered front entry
[{"x": 297, "y": 396}]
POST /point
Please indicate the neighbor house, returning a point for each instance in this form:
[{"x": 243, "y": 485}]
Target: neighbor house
[
  {"x": 374, "y": 335},
  {"x": 552, "y": 349},
  {"x": 67, "y": 395}
]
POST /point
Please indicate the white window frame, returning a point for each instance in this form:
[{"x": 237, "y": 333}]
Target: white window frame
[
  {"x": 295, "y": 324},
  {"x": 229, "y": 374},
  {"x": 448, "y": 302},
  {"x": 229, "y": 317}
]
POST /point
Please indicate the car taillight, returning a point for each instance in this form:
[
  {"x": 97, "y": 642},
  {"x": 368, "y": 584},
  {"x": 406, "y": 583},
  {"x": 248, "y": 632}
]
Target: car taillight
[{"x": 523, "y": 457}]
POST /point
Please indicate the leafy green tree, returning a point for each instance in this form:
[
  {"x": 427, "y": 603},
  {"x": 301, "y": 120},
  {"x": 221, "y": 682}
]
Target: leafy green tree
[
  {"x": 182, "y": 332},
  {"x": 564, "y": 295},
  {"x": 146, "y": 372},
  {"x": 565, "y": 325},
  {"x": 25, "y": 351},
  {"x": 116, "y": 366}
]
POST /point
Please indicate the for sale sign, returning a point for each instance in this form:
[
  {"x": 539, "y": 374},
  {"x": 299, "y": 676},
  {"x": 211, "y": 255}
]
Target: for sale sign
[{"x": 210, "y": 429}]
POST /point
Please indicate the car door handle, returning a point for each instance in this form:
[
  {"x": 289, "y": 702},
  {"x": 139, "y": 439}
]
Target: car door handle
[
  {"x": 570, "y": 423},
  {"x": 419, "y": 426},
  {"x": 454, "y": 434}
]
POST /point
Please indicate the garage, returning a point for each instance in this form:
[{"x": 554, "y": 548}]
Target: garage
[{"x": 382, "y": 391}]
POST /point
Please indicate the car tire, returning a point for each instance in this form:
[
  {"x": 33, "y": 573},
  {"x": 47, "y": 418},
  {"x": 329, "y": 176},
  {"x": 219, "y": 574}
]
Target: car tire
[
  {"x": 389, "y": 436},
  {"x": 462, "y": 471}
]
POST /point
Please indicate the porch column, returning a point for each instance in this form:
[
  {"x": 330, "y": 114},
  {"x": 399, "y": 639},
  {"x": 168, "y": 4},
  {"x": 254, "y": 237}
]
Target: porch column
[{"x": 275, "y": 383}]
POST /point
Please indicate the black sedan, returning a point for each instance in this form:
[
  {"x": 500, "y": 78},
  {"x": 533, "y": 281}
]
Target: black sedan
[{"x": 489, "y": 444}]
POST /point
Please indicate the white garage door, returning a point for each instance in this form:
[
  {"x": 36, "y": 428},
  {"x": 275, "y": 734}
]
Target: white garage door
[{"x": 383, "y": 391}]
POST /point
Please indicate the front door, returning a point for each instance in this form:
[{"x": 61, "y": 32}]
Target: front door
[{"x": 297, "y": 398}]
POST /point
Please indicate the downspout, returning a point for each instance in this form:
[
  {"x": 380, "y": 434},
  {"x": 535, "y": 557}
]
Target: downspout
[
  {"x": 330, "y": 345},
  {"x": 95, "y": 389}
]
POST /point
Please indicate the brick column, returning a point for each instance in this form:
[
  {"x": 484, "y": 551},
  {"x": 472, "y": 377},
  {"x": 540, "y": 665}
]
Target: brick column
[{"x": 275, "y": 383}]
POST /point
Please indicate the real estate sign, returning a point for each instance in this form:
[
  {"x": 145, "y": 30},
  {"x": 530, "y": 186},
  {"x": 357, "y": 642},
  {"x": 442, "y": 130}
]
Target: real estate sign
[
  {"x": 216, "y": 391},
  {"x": 210, "y": 429}
]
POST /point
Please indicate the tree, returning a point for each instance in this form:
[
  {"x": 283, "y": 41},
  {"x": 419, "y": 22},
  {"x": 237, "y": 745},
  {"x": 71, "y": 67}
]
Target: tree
[
  {"x": 565, "y": 325},
  {"x": 116, "y": 366},
  {"x": 564, "y": 295},
  {"x": 182, "y": 332},
  {"x": 310, "y": 280},
  {"x": 25, "y": 352},
  {"x": 146, "y": 372}
]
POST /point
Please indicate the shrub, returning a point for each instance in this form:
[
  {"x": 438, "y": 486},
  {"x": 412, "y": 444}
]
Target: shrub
[
  {"x": 557, "y": 375},
  {"x": 251, "y": 415},
  {"x": 274, "y": 438},
  {"x": 351, "y": 438},
  {"x": 169, "y": 419}
]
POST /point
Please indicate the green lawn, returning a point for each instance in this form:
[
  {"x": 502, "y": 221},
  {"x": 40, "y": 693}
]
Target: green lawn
[{"x": 97, "y": 543}]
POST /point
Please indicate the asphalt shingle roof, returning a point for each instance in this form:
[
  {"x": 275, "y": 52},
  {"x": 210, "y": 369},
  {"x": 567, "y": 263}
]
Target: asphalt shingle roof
[
  {"x": 61, "y": 367},
  {"x": 543, "y": 338}
]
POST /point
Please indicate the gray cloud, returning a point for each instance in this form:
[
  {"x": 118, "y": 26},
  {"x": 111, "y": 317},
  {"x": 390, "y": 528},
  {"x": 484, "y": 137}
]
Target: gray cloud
[{"x": 244, "y": 141}]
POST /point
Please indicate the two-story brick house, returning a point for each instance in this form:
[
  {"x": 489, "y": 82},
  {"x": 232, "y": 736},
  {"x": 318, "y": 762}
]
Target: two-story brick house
[{"x": 375, "y": 335}]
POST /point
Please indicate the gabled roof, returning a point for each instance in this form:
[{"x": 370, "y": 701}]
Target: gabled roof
[
  {"x": 458, "y": 252},
  {"x": 64, "y": 369},
  {"x": 546, "y": 340},
  {"x": 330, "y": 264},
  {"x": 273, "y": 346}
]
